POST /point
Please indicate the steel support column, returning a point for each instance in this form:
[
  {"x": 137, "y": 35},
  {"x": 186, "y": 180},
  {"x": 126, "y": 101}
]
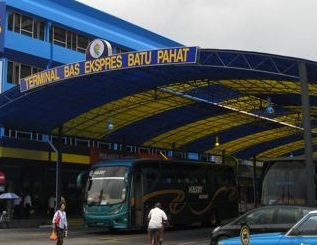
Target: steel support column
[
  {"x": 59, "y": 163},
  {"x": 255, "y": 187},
  {"x": 310, "y": 168}
]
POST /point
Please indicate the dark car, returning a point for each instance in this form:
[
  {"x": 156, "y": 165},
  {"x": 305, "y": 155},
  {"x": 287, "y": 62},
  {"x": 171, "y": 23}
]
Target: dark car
[
  {"x": 277, "y": 218},
  {"x": 303, "y": 232}
]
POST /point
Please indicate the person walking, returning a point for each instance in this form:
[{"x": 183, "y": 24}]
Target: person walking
[
  {"x": 156, "y": 218},
  {"x": 18, "y": 208},
  {"x": 27, "y": 203},
  {"x": 51, "y": 205},
  {"x": 59, "y": 223}
]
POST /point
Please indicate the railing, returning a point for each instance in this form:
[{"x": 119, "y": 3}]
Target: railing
[{"x": 74, "y": 141}]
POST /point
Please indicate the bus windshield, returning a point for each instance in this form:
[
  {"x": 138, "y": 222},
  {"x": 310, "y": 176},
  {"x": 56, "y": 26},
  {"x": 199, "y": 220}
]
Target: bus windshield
[
  {"x": 284, "y": 183},
  {"x": 106, "y": 185}
]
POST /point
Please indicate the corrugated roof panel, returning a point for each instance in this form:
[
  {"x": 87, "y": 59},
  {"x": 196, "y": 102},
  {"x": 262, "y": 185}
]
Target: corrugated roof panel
[
  {"x": 190, "y": 132},
  {"x": 241, "y": 143},
  {"x": 174, "y": 106}
]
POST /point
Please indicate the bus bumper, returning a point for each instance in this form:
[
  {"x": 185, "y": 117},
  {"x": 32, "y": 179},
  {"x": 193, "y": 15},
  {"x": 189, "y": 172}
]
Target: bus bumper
[{"x": 113, "y": 222}]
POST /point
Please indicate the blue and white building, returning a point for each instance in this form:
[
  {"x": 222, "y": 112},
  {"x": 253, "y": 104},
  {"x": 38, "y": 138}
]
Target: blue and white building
[{"x": 37, "y": 35}]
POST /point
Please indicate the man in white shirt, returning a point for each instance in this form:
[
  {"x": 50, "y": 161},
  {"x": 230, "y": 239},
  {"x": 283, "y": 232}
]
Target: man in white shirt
[
  {"x": 27, "y": 205},
  {"x": 156, "y": 217}
]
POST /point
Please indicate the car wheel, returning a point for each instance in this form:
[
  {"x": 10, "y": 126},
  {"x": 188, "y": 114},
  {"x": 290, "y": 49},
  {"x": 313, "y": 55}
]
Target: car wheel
[{"x": 221, "y": 238}]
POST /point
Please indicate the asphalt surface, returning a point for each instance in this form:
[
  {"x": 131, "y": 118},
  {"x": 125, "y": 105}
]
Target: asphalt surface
[{"x": 80, "y": 236}]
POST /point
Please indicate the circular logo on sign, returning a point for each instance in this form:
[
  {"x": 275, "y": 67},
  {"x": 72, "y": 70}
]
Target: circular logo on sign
[
  {"x": 97, "y": 48},
  {"x": 244, "y": 235}
]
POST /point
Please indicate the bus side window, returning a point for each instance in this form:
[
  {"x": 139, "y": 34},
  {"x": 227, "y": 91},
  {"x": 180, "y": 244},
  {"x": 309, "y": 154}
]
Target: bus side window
[
  {"x": 166, "y": 179},
  {"x": 150, "y": 176}
]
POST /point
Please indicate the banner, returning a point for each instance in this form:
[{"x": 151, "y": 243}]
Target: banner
[{"x": 181, "y": 55}]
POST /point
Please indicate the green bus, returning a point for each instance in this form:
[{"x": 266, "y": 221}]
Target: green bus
[{"x": 120, "y": 193}]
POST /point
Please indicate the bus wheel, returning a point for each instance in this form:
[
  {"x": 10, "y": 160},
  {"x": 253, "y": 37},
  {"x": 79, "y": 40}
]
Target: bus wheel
[{"x": 214, "y": 218}]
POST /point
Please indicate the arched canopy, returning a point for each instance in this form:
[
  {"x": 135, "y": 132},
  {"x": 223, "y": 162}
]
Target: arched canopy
[{"x": 182, "y": 106}]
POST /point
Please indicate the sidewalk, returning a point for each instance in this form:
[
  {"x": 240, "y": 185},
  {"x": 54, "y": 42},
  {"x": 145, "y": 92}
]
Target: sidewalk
[{"x": 42, "y": 222}]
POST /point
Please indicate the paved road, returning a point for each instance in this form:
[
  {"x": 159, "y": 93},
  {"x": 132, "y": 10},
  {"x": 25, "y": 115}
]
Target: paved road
[{"x": 37, "y": 236}]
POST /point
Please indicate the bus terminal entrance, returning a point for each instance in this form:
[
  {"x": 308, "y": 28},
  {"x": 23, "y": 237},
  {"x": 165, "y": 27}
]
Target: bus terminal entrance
[{"x": 178, "y": 101}]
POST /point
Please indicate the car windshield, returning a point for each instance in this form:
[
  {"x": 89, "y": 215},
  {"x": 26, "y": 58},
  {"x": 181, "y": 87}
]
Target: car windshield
[
  {"x": 276, "y": 215},
  {"x": 260, "y": 216},
  {"x": 308, "y": 227},
  {"x": 106, "y": 185}
]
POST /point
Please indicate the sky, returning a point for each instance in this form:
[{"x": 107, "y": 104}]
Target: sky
[{"x": 283, "y": 27}]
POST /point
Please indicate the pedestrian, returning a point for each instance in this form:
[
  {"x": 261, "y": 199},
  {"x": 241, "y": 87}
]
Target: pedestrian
[
  {"x": 156, "y": 219},
  {"x": 17, "y": 208},
  {"x": 51, "y": 206},
  {"x": 27, "y": 206},
  {"x": 59, "y": 223}
]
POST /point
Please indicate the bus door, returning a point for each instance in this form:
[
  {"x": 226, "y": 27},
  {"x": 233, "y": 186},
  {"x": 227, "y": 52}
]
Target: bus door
[{"x": 137, "y": 210}]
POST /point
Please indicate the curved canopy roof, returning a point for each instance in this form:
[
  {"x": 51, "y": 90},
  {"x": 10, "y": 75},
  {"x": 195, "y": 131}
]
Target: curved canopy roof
[{"x": 182, "y": 106}]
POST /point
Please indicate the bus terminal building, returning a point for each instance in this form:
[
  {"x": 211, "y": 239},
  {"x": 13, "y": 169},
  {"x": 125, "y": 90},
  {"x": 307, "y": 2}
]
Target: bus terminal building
[{"x": 79, "y": 86}]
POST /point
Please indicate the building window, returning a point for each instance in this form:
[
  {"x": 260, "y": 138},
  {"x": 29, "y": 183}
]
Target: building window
[
  {"x": 25, "y": 70},
  {"x": 75, "y": 41},
  {"x": 35, "y": 28},
  {"x": 16, "y": 71},
  {"x": 69, "y": 39},
  {"x": 26, "y": 25},
  {"x": 59, "y": 36},
  {"x": 82, "y": 43},
  {"x": 12, "y": 73}
]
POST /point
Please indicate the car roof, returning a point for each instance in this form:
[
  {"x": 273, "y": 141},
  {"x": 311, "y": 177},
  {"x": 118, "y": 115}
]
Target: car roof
[
  {"x": 308, "y": 208},
  {"x": 283, "y": 206}
]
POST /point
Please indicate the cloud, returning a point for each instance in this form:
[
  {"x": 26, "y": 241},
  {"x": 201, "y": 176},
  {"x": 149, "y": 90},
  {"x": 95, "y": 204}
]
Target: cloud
[{"x": 284, "y": 27}]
